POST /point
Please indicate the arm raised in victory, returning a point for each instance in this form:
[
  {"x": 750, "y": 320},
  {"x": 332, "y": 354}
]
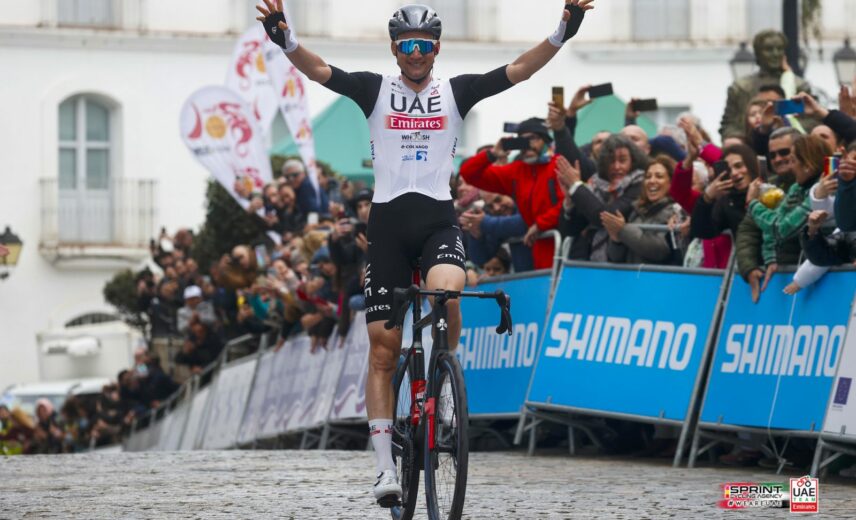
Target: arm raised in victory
[
  {"x": 279, "y": 31},
  {"x": 535, "y": 58}
]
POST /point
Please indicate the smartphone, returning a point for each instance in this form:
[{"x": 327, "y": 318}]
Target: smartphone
[
  {"x": 830, "y": 165},
  {"x": 762, "y": 169},
  {"x": 515, "y": 143},
  {"x": 261, "y": 255},
  {"x": 596, "y": 91},
  {"x": 312, "y": 218},
  {"x": 790, "y": 106},
  {"x": 720, "y": 170},
  {"x": 361, "y": 227},
  {"x": 510, "y": 128},
  {"x": 645, "y": 105},
  {"x": 559, "y": 96}
]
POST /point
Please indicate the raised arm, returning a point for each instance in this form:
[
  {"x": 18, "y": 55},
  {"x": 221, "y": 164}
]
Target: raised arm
[
  {"x": 535, "y": 58},
  {"x": 279, "y": 31}
]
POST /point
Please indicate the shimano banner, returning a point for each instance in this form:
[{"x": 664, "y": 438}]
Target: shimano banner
[
  {"x": 626, "y": 341},
  {"x": 497, "y": 368},
  {"x": 775, "y": 359}
]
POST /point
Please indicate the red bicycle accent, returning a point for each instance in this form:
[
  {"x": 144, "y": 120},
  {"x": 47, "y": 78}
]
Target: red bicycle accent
[
  {"x": 429, "y": 411},
  {"x": 417, "y": 394}
]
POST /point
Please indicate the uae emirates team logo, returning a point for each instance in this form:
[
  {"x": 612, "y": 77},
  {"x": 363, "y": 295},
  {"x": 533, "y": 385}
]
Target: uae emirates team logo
[
  {"x": 402, "y": 122},
  {"x": 805, "y": 495}
]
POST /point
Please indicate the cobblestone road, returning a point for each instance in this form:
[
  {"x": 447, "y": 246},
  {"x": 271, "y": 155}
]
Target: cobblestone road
[{"x": 314, "y": 484}]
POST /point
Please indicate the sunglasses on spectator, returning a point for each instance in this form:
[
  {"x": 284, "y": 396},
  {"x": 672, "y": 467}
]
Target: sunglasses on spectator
[
  {"x": 291, "y": 176},
  {"x": 784, "y": 152},
  {"x": 408, "y": 46}
]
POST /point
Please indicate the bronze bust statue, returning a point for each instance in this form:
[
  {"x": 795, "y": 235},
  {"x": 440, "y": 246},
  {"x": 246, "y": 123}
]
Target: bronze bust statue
[{"x": 769, "y": 47}]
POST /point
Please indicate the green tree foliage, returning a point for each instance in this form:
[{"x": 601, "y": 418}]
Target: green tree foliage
[
  {"x": 226, "y": 225},
  {"x": 121, "y": 293}
]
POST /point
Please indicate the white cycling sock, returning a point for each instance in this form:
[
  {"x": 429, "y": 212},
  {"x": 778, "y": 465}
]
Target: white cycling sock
[{"x": 380, "y": 431}]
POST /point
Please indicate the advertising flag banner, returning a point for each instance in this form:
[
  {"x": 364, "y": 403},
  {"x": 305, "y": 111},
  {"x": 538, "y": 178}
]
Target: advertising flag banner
[
  {"x": 218, "y": 128},
  {"x": 289, "y": 88},
  {"x": 248, "y": 76}
]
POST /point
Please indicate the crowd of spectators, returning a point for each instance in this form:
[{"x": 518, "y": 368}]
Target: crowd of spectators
[{"x": 83, "y": 422}]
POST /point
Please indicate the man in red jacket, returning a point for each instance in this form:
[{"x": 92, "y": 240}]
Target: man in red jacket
[{"x": 530, "y": 179}]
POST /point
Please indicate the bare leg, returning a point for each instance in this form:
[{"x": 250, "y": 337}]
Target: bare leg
[
  {"x": 452, "y": 278},
  {"x": 383, "y": 358}
]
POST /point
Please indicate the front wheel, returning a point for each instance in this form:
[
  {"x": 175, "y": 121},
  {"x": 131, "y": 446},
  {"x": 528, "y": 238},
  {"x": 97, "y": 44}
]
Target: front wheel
[
  {"x": 404, "y": 452},
  {"x": 446, "y": 464}
]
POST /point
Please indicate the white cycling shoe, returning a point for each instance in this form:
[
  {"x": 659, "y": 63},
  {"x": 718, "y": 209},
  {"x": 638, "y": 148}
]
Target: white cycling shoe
[{"x": 387, "y": 489}]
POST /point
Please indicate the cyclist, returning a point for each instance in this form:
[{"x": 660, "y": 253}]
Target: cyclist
[{"x": 414, "y": 121}]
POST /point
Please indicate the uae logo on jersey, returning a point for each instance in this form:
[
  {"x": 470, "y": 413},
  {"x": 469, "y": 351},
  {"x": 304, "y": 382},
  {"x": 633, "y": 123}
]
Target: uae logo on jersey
[{"x": 402, "y": 122}]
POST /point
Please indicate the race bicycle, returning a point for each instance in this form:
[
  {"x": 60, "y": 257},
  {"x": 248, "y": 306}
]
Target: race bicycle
[{"x": 431, "y": 418}]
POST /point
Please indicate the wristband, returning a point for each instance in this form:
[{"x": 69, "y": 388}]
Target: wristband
[
  {"x": 286, "y": 39},
  {"x": 567, "y": 30}
]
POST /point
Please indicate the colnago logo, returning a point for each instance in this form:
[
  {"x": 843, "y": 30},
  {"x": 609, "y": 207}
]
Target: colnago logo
[
  {"x": 805, "y": 351},
  {"x": 481, "y": 348},
  {"x": 621, "y": 341},
  {"x": 402, "y": 122}
]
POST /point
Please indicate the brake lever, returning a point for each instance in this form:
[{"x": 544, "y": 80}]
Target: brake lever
[{"x": 505, "y": 323}]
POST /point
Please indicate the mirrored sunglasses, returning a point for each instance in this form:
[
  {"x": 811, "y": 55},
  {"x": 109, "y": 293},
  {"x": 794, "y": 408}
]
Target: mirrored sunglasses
[{"x": 408, "y": 46}]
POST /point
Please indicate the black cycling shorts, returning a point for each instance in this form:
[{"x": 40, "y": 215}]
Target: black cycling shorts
[{"x": 410, "y": 230}]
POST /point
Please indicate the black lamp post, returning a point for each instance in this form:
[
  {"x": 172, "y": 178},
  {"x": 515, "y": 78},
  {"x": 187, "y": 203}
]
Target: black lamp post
[
  {"x": 10, "y": 251},
  {"x": 743, "y": 62},
  {"x": 845, "y": 63}
]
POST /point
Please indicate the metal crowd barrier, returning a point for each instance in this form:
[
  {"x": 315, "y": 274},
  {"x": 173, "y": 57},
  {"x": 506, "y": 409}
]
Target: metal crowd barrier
[{"x": 663, "y": 345}]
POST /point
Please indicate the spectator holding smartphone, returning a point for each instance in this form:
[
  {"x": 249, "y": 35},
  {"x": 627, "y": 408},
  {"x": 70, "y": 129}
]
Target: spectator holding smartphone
[
  {"x": 748, "y": 242},
  {"x": 781, "y": 225},
  {"x": 722, "y": 207},
  {"x": 530, "y": 179},
  {"x": 840, "y": 247}
]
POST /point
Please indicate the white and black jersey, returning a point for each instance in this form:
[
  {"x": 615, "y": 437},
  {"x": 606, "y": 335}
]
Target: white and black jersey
[{"x": 414, "y": 136}]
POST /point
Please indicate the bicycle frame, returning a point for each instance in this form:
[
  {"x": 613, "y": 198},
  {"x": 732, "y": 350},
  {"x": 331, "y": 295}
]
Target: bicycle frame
[{"x": 438, "y": 320}]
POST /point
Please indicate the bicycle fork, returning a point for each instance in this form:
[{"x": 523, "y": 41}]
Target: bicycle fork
[{"x": 420, "y": 407}]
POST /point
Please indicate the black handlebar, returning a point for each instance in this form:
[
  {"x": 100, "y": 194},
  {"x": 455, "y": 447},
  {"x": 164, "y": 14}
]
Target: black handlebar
[{"x": 402, "y": 298}]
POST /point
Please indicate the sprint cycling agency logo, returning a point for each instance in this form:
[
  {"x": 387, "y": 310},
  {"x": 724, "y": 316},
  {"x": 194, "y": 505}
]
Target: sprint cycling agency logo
[
  {"x": 802, "y": 496},
  {"x": 752, "y": 495},
  {"x": 805, "y": 495}
]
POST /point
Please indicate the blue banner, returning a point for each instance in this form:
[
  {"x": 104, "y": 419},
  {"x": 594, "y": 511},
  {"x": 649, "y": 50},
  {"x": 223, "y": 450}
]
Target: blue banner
[
  {"x": 775, "y": 360},
  {"x": 497, "y": 367},
  {"x": 625, "y": 341}
]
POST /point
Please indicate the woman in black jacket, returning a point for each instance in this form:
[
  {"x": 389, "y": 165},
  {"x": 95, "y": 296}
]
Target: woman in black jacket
[{"x": 723, "y": 205}]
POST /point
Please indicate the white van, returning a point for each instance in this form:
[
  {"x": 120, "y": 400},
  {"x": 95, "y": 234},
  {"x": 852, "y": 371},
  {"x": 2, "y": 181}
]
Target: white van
[{"x": 25, "y": 396}]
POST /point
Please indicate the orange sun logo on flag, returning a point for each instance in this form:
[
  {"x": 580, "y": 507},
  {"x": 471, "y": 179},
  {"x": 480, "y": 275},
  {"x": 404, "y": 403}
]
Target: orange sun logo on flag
[
  {"x": 260, "y": 63},
  {"x": 215, "y": 126}
]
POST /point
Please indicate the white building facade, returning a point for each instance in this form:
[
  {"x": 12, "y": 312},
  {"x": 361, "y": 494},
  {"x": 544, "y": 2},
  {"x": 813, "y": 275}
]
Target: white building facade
[{"x": 92, "y": 164}]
